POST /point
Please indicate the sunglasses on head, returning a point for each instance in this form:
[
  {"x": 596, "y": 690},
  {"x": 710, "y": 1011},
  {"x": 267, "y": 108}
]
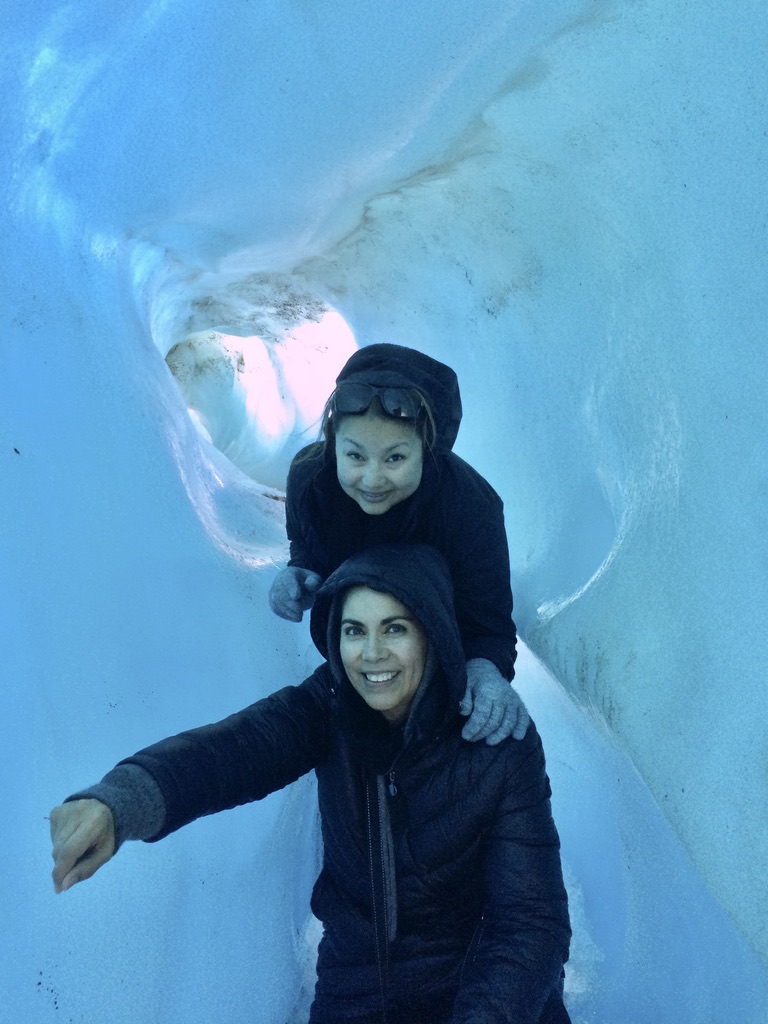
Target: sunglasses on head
[{"x": 352, "y": 398}]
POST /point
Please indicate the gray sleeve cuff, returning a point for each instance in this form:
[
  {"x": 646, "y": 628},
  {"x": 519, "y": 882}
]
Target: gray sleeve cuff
[{"x": 135, "y": 799}]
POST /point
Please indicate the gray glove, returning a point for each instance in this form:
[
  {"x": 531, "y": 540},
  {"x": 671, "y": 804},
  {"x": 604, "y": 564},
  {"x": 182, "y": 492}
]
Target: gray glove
[
  {"x": 496, "y": 709},
  {"x": 293, "y": 591}
]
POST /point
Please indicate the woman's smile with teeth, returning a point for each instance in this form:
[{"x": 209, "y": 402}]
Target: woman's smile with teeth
[{"x": 379, "y": 677}]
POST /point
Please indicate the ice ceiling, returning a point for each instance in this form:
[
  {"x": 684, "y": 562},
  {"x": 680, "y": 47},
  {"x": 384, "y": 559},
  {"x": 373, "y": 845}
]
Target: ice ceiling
[{"x": 566, "y": 201}]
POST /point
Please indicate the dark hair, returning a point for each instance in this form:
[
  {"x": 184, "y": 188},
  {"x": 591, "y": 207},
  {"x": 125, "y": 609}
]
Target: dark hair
[{"x": 423, "y": 422}]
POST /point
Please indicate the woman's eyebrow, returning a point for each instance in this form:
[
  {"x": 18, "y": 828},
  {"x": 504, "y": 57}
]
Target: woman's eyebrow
[
  {"x": 358, "y": 444},
  {"x": 384, "y": 622}
]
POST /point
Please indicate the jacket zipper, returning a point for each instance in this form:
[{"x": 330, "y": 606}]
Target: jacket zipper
[
  {"x": 379, "y": 938},
  {"x": 383, "y": 894},
  {"x": 469, "y": 956}
]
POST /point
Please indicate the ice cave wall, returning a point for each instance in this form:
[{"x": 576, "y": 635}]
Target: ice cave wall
[{"x": 569, "y": 206}]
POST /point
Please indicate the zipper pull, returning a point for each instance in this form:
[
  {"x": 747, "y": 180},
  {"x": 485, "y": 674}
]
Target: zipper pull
[{"x": 392, "y": 787}]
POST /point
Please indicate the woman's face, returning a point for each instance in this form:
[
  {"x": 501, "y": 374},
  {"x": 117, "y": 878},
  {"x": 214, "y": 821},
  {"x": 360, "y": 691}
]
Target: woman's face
[
  {"x": 378, "y": 460},
  {"x": 383, "y": 650}
]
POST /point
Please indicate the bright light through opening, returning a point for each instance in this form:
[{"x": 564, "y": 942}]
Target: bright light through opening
[{"x": 260, "y": 401}]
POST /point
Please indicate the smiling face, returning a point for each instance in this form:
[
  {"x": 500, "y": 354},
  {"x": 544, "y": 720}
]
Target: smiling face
[
  {"x": 378, "y": 460},
  {"x": 383, "y": 650}
]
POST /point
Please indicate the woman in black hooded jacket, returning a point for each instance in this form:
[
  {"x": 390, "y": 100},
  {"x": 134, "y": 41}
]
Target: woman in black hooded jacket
[
  {"x": 386, "y": 473},
  {"x": 441, "y": 893}
]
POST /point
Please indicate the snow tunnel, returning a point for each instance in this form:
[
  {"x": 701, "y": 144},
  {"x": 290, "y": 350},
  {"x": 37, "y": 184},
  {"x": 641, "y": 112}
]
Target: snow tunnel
[{"x": 208, "y": 212}]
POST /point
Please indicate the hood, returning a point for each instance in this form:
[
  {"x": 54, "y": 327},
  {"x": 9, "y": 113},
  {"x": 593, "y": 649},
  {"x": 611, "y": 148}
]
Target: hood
[
  {"x": 417, "y": 575},
  {"x": 401, "y": 367}
]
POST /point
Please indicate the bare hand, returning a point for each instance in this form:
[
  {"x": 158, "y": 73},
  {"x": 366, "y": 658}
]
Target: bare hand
[{"x": 83, "y": 836}]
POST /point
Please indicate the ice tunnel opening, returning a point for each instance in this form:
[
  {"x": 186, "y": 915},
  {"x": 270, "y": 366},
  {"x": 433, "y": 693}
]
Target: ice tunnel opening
[{"x": 258, "y": 398}]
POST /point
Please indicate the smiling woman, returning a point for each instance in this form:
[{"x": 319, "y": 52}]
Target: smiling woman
[
  {"x": 378, "y": 459},
  {"x": 383, "y": 651},
  {"x": 385, "y": 472},
  {"x": 441, "y": 894}
]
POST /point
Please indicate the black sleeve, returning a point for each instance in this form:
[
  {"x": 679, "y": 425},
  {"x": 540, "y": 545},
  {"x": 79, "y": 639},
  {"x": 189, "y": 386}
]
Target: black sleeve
[
  {"x": 478, "y": 556},
  {"x": 299, "y": 515},
  {"x": 244, "y": 757},
  {"x": 516, "y": 959}
]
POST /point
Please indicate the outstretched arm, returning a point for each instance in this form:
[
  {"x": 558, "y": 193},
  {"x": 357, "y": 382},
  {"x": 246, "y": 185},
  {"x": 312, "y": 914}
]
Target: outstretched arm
[{"x": 159, "y": 789}]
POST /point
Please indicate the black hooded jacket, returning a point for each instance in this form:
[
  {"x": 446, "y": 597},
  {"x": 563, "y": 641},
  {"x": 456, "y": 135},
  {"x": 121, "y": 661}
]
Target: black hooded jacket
[
  {"x": 454, "y": 509},
  {"x": 441, "y": 892}
]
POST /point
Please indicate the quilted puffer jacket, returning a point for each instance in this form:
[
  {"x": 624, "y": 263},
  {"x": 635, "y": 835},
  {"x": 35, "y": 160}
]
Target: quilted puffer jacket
[{"x": 441, "y": 893}]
